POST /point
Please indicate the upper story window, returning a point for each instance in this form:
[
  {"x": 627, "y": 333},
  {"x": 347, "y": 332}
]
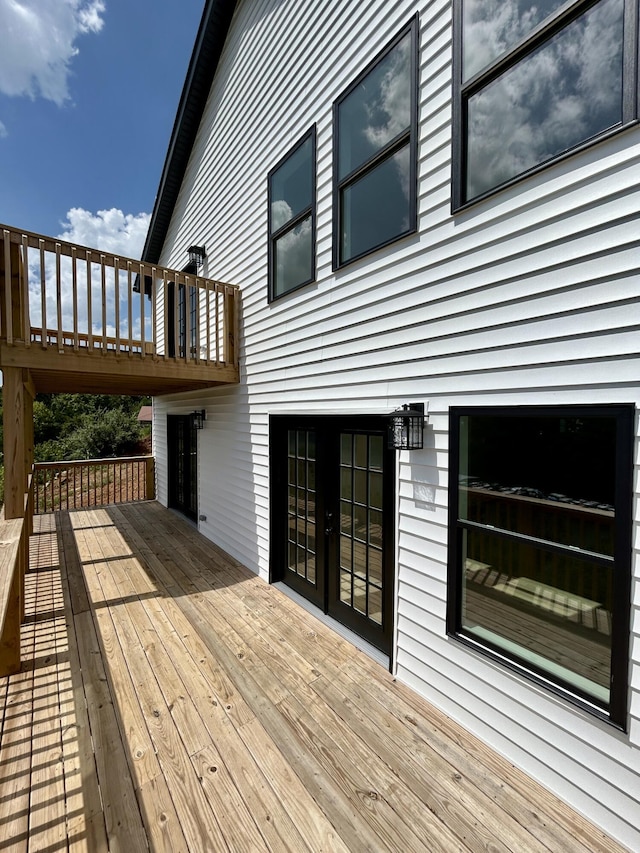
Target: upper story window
[
  {"x": 540, "y": 545},
  {"x": 375, "y": 126},
  {"x": 292, "y": 212},
  {"x": 535, "y": 80}
]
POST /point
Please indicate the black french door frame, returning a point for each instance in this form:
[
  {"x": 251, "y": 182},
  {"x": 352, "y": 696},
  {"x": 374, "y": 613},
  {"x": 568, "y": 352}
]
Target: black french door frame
[
  {"x": 182, "y": 453},
  {"x": 320, "y": 582}
]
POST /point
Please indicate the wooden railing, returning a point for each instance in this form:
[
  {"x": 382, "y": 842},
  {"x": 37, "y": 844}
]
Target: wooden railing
[
  {"x": 92, "y": 482},
  {"x": 58, "y": 295},
  {"x": 14, "y": 558}
]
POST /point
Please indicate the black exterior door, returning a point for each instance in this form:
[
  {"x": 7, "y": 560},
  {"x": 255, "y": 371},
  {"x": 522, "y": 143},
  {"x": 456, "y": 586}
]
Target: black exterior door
[
  {"x": 332, "y": 507},
  {"x": 182, "y": 446}
]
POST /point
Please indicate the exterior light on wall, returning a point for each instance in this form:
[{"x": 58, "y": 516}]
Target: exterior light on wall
[
  {"x": 198, "y": 418},
  {"x": 197, "y": 255},
  {"x": 405, "y": 427}
]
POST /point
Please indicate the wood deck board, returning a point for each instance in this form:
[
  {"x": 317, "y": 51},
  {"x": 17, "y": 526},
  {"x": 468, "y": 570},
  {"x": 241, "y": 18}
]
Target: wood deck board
[{"x": 170, "y": 700}]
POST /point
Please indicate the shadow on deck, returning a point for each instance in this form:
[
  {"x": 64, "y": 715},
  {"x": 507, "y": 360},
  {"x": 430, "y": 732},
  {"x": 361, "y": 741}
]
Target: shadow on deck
[{"x": 171, "y": 700}]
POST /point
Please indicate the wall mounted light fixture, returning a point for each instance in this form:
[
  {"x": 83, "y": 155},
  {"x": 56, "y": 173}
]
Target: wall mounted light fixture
[
  {"x": 405, "y": 427},
  {"x": 198, "y": 418},
  {"x": 197, "y": 255}
]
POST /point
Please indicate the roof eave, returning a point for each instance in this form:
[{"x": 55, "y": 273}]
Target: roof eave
[{"x": 203, "y": 65}]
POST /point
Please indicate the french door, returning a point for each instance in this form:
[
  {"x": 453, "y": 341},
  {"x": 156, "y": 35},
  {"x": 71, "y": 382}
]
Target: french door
[
  {"x": 332, "y": 509},
  {"x": 182, "y": 447}
]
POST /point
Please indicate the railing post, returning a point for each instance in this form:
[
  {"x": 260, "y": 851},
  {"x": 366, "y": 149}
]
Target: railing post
[
  {"x": 150, "y": 478},
  {"x": 229, "y": 326}
]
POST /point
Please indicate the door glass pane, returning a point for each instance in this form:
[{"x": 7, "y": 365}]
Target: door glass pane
[
  {"x": 361, "y": 450},
  {"x": 345, "y": 517},
  {"x": 360, "y": 483},
  {"x": 375, "y": 482},
  {"x": 375, "y": 604},
  {"x": 301, "y": 507},
  {"x": 345, "y": 587},
  {"x": 375, "y": 452},
  {"x": 346, "y": 455},
  {"x": 375, "y": 564},
  {"x": 361, "y": 525},
  {"x": 345, "y": 484}
]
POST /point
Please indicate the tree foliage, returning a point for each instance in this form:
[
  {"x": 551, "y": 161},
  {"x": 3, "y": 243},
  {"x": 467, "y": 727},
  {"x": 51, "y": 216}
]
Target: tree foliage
[{"x": 85, "y": 426}]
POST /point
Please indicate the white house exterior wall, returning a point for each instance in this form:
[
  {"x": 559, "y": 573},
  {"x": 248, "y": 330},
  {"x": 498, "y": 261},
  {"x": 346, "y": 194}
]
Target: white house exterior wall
[{"x": 530, "y": 296}]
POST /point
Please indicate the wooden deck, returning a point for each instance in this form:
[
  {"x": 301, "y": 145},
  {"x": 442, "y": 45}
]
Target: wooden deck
[{"x": 170, "y": 700}]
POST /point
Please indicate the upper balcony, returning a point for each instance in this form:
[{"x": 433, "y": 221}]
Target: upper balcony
[{"x": 82, "y": 320}]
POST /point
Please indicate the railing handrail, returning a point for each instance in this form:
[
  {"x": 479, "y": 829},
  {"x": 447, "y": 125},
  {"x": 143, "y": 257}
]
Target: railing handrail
[{"x": 105, "y": 460}]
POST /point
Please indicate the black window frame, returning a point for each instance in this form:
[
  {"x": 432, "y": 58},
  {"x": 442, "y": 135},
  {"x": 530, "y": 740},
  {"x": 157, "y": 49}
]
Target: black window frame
[
  {"x": 541, "y": 34},
  {"x": 615, "y": 711},
  {"x": 310, "y": 210},
  {"x": 408, "y": 137}
]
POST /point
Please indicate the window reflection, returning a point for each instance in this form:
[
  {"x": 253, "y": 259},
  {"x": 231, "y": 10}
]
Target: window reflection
[
  {"x": 293, "y": 257},
  {"x": 291, "y": 187},
  {"x": 291, "y": 219},
  {"x": 565, "y": 92},
  {"x": 375, "y": 138},
  {"x": 491, "y": 27},
  {"x": 377, "y": 110},
  {"x": 376, "y": 208}
]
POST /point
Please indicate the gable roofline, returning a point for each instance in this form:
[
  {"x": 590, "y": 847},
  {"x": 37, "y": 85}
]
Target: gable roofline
[{"x": 207, "y": 50}]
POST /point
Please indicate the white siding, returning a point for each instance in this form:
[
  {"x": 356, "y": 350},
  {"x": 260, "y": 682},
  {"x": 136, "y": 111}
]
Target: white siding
[{"x": 530, "y": 296}]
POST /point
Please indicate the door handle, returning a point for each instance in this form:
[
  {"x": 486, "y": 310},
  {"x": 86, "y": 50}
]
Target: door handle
[{"x": 328, "y": 523}]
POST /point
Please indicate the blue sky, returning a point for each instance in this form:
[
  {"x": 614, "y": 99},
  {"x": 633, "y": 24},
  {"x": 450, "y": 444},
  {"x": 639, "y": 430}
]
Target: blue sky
[{"x": 88, "y": 94}]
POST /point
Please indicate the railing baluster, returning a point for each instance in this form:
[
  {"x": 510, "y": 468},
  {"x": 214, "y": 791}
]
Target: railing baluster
[
  {"x": 59, "y": 299},
  {"x": 43, "y": 298},
  {"x": 6, "y": 242},
  {"x": 116, "y": 274},
  {"x": 187, "y": 319},
  {"x": 26, "y": 321},
  {"x": 103, "y": 284},
  {"x": 217, "y": 292},
  {"x": 89, "y": 303},
  {"x": 74, "y": 282},
  {"x": 165, "y": 297},
  {"x": 207, "y": 299},
  {"x": 142, "y": 287},
  {"x": 176, "y": 319},
  {"x": 130, "y": 305}
]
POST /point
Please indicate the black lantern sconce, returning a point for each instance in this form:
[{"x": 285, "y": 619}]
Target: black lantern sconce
[
  {"x": 197, "y": 255},
  {"x": 198, "y": 418},
  {"x": 405, "y": 427}
]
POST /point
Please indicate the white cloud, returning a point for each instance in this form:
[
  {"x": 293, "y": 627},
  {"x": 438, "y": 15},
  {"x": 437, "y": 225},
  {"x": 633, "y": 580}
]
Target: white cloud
[
  {"x": 3, "y": 131},
  {"x": 39, "y": 42},
  {"x": 108, "y": 230}
]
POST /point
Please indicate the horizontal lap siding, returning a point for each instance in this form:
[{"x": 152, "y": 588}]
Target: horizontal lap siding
[{"x": 528, "y": 297}]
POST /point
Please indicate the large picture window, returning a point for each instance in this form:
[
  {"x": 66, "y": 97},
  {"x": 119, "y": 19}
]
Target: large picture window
[
  {"x": 536, "y": 80},
  {"x": 540, "y": 544},
  {"x": 375, "y": 152},
  {"x": 292, "y": 203}
]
